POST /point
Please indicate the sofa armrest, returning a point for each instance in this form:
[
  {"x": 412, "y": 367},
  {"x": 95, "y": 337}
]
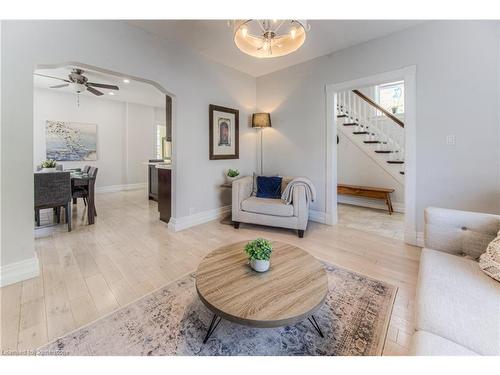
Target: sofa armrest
[
  {"x": 459, "y": 232},
  {"x": 300, "y": 206},
  {"x": 242, "y": 189}
]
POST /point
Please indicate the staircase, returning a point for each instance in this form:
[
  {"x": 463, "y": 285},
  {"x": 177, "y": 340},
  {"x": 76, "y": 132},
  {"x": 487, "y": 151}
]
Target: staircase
[{"x": 377, "y": 132}]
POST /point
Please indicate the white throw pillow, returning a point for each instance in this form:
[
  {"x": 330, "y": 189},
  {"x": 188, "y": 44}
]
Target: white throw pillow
[{"x": 489, "y": 262}]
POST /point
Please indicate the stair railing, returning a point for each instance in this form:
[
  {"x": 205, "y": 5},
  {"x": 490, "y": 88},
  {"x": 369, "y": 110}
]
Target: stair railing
[{"x": 367, "y": 114}]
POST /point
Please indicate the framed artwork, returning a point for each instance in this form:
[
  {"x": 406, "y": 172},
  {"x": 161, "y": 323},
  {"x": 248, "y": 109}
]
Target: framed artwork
[
  {"x": 223, "y": 133},
  {"x": 70, "y": 141}
]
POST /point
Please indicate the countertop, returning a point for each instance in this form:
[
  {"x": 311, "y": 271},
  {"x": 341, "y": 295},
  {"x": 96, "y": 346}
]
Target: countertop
[{"x": 163, "y": 166}]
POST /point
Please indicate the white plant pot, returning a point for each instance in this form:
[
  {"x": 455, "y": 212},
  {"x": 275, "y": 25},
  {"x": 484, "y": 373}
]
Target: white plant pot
[
  {"x": 49, "y": 169},
  {"x": 230, "y": 180},
  {"x": 260, "y": 265}
]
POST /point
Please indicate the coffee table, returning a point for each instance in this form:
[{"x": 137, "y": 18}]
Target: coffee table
[{"x": 292, "y": 289}]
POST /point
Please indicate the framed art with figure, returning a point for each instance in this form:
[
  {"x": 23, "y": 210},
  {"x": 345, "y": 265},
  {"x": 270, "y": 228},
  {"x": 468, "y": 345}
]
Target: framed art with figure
[{"x": 223, "y": 132}]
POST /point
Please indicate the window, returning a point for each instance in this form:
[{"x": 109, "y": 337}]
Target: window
[
  {"x": 391, "y": 96},
  {"x": 161, "y": 136}
]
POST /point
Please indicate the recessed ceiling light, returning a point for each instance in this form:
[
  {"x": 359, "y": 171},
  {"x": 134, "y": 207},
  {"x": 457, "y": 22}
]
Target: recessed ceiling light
[
  {"x": 111, "y": 93},
  {"x": 126, "y": 80}
]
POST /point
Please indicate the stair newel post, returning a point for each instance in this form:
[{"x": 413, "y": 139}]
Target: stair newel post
[{"x": 344, "y": 109}]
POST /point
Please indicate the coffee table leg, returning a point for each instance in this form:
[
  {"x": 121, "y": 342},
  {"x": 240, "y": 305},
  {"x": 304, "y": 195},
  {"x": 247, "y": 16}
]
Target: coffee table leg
[
  {"x": 315, "y": 325},
  {"x": 213, "y": 325}
]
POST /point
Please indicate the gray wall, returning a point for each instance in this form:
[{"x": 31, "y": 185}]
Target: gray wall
[
  {"x": 126, "y": 133},
  {"x": 457, "y": 93},
  {"x": 195, "y": 81}
]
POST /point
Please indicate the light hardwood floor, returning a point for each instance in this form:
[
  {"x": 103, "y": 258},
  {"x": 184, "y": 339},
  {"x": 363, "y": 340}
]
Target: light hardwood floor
[{"x": 128, "y": 253}]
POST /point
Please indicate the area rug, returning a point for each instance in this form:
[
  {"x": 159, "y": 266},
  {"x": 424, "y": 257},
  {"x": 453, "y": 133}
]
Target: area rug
[{"x": 173, "y": 321}]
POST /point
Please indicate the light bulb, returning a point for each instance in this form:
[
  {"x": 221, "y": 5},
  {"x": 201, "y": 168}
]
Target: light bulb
[
  {"x": 293, "y": 32},
  {"x": 244, "y": 31}
]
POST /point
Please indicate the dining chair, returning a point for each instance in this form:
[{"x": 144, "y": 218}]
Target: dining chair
[
  {"x": 86, "y": 168},
  {"x": 53, "y": 190},
  {"x": 83, "y": 191}
]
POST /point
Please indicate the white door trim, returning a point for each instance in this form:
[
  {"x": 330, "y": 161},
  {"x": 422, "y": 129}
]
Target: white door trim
[{"x": 408, "y": 74}]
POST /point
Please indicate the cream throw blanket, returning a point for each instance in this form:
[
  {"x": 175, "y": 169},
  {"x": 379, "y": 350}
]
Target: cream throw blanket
[{"x": 287, "y": 194}]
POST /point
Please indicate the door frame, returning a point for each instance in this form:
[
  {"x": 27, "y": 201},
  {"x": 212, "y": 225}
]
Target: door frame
[{"x": 408, "y": 74}]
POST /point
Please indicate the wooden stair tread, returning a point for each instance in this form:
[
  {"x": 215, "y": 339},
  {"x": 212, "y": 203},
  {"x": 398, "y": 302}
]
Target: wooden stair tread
[
  {"x": 395, "y": 161},
  {"x": 359, "y": 132},
  {"x": 371, "y": 141},
  {"x": 350, "y": 123},
  {"x": 340, "y": 116},
  {"x": 383, "y": 152},
  {"x": 401, "y": 172}
]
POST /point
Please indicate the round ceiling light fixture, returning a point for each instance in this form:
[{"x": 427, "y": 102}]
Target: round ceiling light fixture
[{"x": 269, "y": 38}]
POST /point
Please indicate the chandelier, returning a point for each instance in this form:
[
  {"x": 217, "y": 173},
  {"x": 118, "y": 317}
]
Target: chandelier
[{"x": 269, "y": 38}]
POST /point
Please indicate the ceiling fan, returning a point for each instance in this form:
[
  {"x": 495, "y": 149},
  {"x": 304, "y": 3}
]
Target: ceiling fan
[{"x": 80, "y": 83}]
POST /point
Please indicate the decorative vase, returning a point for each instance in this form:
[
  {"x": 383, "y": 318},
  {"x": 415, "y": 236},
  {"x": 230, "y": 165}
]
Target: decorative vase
[
  {"x": 260, "y": 265},
  {"x": 49, "y": 169},
  {"x": 230, "y": 180}
]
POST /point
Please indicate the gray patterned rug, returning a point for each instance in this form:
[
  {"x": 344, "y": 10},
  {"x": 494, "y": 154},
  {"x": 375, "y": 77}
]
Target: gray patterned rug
[{"x": 173, "y": 321}]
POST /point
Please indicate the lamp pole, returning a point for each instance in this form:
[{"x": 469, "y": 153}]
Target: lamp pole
[{"x": 261, "y": 151}]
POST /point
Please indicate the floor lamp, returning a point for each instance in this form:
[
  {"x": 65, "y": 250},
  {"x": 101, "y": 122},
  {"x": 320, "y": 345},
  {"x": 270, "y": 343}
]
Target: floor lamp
[{"x": 261, "y": 121}]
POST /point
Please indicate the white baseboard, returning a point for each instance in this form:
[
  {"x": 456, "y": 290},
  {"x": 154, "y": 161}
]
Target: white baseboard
[
  {"x": 114, "y": 188},
  {"x": 19, "y": 271},
  {"x": 318, "y": 216},
  {"x": 181, "y": 223},
  {"x": 370, "y": 203},
  {"x": 414, "y": 238}
]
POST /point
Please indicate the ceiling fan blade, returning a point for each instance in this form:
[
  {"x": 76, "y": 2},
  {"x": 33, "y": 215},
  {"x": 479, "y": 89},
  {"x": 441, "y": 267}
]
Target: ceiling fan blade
[
  {"x": 94, "y": 91},
  {"x": 43, "y": 75},
  {"x": 59, "y": 86},
  {"x": 103, "y": 86}
]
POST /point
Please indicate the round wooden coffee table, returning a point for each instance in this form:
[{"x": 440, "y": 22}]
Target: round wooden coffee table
[{"x": 293, "y": 289}]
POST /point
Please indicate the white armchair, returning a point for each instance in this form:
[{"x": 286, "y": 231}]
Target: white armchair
[{"x": 271, "y": 212}]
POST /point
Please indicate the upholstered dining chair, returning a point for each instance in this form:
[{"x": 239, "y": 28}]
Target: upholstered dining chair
[
  {"x": 83, "y": 191},
  {"x": 53, "y": 190}
]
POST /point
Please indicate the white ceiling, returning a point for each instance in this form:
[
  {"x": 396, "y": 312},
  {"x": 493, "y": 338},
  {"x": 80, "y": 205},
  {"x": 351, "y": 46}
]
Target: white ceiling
[
  {"x": 133, "y": 92},
  {"x": 214, "y": 39}
]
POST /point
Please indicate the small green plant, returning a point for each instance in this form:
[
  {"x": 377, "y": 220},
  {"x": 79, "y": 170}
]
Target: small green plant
[
  {"x": 49, "y": 164},
  {"x": 259, "y": 249},
  {"x": 233, "y": 173}
]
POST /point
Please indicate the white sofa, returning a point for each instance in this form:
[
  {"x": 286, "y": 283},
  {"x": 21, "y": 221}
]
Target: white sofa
[
  {"x": 247, "y": 208},
  {"x": 457, "y": 305}
]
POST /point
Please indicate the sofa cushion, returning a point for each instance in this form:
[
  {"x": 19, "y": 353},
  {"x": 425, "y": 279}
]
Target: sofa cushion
[
  {"x": 425, "y": 343},
  {"x": 267, "y": 206},
  {"x": 457, "y": 301}
]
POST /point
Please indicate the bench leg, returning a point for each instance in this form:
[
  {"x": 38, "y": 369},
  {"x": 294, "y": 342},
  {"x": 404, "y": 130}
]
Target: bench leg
[{"x": 389, "y": 203}]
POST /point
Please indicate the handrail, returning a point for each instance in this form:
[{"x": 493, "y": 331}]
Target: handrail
[{"x": 384, "y": 111}]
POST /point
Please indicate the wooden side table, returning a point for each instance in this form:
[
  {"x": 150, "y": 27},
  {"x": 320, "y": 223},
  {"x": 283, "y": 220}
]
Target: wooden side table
[{"x": 228, "y": 218}]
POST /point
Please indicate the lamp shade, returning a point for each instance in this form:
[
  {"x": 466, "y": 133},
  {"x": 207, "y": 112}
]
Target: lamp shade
[{"x": 261, "y": 120}]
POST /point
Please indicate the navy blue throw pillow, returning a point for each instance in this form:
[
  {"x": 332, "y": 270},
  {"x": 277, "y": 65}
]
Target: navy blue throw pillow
[{"x": 269, "y": 187}]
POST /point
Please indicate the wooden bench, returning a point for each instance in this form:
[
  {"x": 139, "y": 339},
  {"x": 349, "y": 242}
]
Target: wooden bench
[{"x": 367, "y": 192}]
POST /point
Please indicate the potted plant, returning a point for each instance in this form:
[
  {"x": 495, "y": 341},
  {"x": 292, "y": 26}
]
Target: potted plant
[
  {"x": 231, "y": 175},
  {"x": 259, "y": 253},
  {"x": 49, "y": 165}
]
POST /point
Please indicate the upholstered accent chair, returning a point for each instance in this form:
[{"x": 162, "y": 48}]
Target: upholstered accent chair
[
  {"x": 247, "y": 208},
  {"x": 53, "y": 190}
]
